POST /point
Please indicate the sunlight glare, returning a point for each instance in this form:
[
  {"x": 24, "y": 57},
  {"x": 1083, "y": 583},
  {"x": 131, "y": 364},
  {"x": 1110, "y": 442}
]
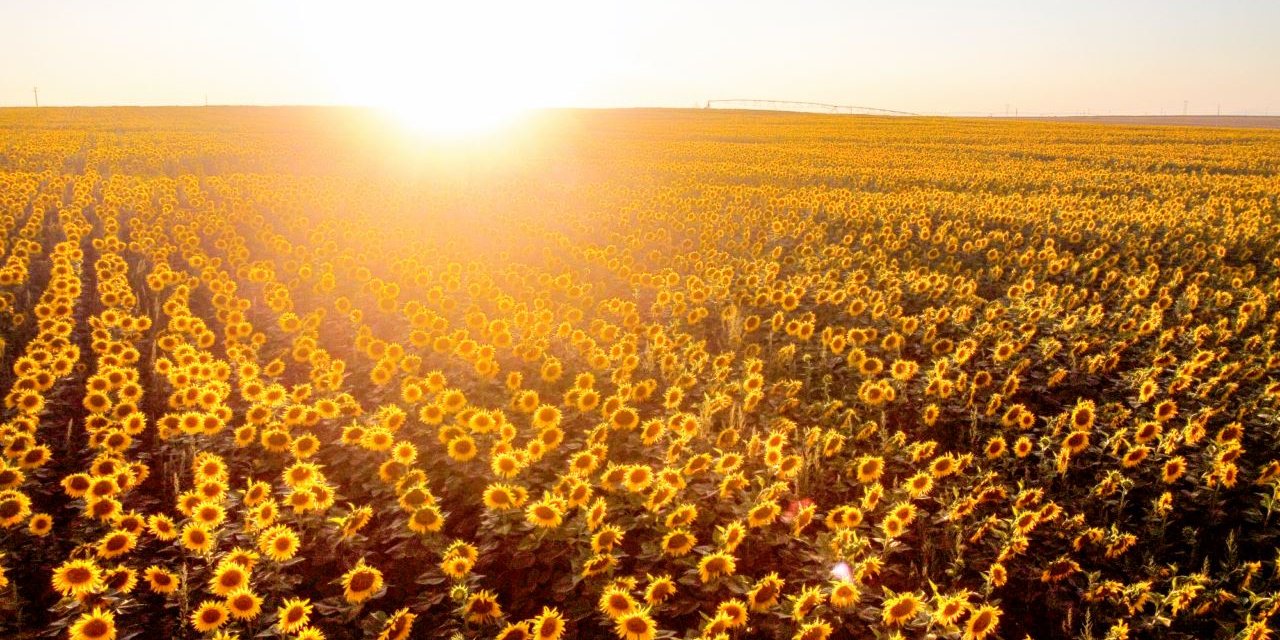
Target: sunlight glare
[
  {"x": 453, "y": 120},
  {"x": 452, "y": 71}
]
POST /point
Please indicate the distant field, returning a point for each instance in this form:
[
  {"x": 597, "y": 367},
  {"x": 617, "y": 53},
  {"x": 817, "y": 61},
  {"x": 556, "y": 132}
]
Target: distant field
[{"x": 1241, "y": 122}]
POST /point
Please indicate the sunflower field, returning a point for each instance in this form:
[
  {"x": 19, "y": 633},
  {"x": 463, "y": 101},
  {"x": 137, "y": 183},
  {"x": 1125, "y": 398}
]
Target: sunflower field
[{"x": 287, "y": 373}]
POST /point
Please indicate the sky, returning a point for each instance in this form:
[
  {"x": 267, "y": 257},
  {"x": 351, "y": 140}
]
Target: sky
[{"x": 937, "y": 57}]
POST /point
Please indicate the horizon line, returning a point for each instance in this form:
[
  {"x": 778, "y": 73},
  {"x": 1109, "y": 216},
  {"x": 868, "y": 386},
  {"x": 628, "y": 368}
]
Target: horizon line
[{"x": 886, "y": 113}]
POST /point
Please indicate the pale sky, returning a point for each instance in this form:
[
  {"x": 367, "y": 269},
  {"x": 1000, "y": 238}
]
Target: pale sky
[{"x": 927, "y": 56}]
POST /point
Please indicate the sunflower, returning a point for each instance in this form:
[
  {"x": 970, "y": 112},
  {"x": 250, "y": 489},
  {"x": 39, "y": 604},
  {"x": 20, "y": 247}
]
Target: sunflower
[
  {"x": 1255, "y": 630},
  {"x": 948, "y": 609},
  {"x": 97, "y": 624},
  {"x": 279, "y": 543},
  {"x": 189, "y": 500},
  {"x": 31, "y": 403},
  {"x": 514, "y": 631},
  {"x": 1023, "y": 447},
  {"x": 77, "y": 577},
  {"x": 624, "y": 419},
  {"x": 297, "y": 475},
  {"x": 678, "y": 543},
  {"x": 598, "y": 564},
  {"x": 613, "y": 475},
  {"x": 275, "y": 439},
  {"x": 638, "y": 478},
  {"x": 228, "y": 577},
  {"x": 544, "y": 513},
  {"x": 717, "y": 627},
  {"x": 96, "y": 402},
  {"x": 1173, "y": 469},
  {"x": 264, "y": 515},
  {"x": 944, "y": 466},
  {"x": 293, "y": 614},
  {"x": 763, "y": 514},
  {"x": 606, "y": 538},
  {"x": 462, "y": 448},
  {"x": 121, "y": 579},
  {"x": 716, "y": 565},
  {"x": 506, "y": 465},
  {"x": 819, "y": 630},
  {"x": 731, "y": 535},
  {"x": 583, "y": 463},
  {"x": 398, "y": 626},
  {"x": 1147, "y": 390},
  {"x": 869, "y": 469},
  {"x": 353, "y": 435},
  {"x": 244, "y": 604},
  {"x": 1083, "y": 415},
  {"x": 209, "y": 616},
  {"x": 615, "y": 602},
  {"x": 1059, "y": 570},
  {"x": 549, "y": 625},
  {"x": 160, "y": 580},
  {"x": 806, "y": 601},
  {"x": 196, "y": 538},
  {"x": 635, "y": 625},
  {"x": 1076, "y": 442},
  {"x": 427, "y": 519},
  {"x": 15, "y": 506},
  {"x": 462, "y": 549},
  {"x": 551, "y": 437},
  {"x": 900, "y": 609},
  {"x": 246, "y": 558},
  {"x": 116, "y": 543},
  {"x": 997, "y": 575},
  {"x": 162, "y": 527},
  {"x": 596, "y": 514},
  {"x": 660, "y": 589},
  {"x": 803, "y": 518},
  {"x": 498, "y": 497},
  {"x": 919, "y": 485},
  {"x": 302, "y": 500},
  {"x": 579, "y": 493},
  {"x": 766, "y": 592},
  {"x": 133, "y": 522},
  {"x": 76, "y": 485},
  {"x": 733, "y": 609},
  {"x": 1026, "y": 420},
  {"x": 353, "y": 522},
  {"x": 481, "y": 607},
  {"x": 844, "y": 595},
  {"x": 456, "y": 566},
  {"x": 982, "y": 623},
  {"x": 361, "y": 583},
  {"x": 1135, "y": 456}
]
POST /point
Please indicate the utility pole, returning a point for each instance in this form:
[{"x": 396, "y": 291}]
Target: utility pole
[
  {"x": 1184, "y": 107},
  {"x": 35, "y": 92}
]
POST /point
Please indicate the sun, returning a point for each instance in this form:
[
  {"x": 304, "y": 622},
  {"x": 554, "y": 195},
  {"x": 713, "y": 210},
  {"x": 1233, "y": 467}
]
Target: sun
[{"x": 460, "y": 70}]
